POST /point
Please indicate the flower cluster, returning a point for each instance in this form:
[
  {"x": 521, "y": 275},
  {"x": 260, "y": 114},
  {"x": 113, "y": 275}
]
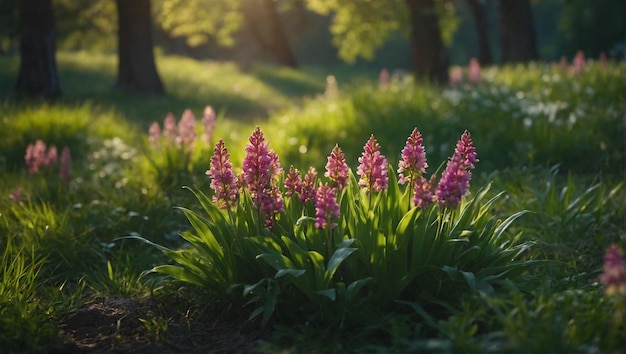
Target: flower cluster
[
  {"x": 261, "y": 171},
  {"x": 454, "y": 182},
  {"x": 337, "y": 169},
  {"x": 326, "y": 207},
  {"x": 38, "y": 156},
  {"x": 614, "y": 272},
  {"x": 223, "y": 180},
  {"x": 372, "y": 167},
  {"x": 182, "y": 134}
]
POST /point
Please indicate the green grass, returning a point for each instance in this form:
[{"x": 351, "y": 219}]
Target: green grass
[{"x": 552, "y": 141}]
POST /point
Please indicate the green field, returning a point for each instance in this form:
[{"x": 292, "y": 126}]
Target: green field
[{"x": 550, "y": 139}]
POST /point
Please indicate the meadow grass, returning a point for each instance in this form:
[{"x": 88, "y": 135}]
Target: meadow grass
[{"x": 550, "y": 139}]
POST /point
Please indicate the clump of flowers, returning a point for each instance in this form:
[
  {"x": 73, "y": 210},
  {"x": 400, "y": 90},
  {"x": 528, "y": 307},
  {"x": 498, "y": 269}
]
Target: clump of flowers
[
  {"x": 223, "y": 180},
  {"x": 614, "y": 272},
  {"x": 39, "y": 156},
  {"x": 326, "y": 207},
  {"x": 261, "y": 167},
  {"x": 454, "y": 182},
  {"x": 337, "y": 169},
  {"x": 372, "y": 167},
  {"x": 182, "y": 134}
]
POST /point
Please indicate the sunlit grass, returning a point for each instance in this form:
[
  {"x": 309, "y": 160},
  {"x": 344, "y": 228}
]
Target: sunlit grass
[{"x": 553, "y": 141}]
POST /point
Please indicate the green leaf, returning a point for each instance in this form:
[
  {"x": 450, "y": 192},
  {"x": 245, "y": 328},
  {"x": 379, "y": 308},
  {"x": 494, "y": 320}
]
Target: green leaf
[{"x": 329, "y": 293}]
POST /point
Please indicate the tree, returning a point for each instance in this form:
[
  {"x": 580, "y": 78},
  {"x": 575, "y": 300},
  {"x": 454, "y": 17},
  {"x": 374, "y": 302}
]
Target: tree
[
  {"x": 477, "y": 8},
  {"x": 37, "y": 75},
  {"x": 360, "y": 27},
  {"x": 265, "y": 25},
  {"x": 136, "y": 67},
  {"x": 517, "y": 31},
  {"x": 429, "y": 56}
]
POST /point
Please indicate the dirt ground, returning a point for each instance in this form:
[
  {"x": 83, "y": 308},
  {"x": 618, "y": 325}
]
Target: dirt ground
[{"x": 113, "y": 325}]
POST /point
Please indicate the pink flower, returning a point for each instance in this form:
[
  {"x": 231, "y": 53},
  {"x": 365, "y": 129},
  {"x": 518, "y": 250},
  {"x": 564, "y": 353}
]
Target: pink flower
[
  {"x": 208, "y": 122},
  {"x": 473, "y": 71},
  {"x": 337, "y": 169},
  {"x": 307, "y": 192},
  {"x": 293, "y": 182},
  {"x": 579, "y": 62},
  {"x": 383, "y": 79},
  {"x": 36, "y": 156},
  {"x": 186, "y": 131},
  {"x": 223, "y": 180},
  {"x": 454, "y": 182},
  {"x": 424, "y": 193},
  {"x": 456, "y": 76},
  {"x": 260, "y": 169},
  {"x": 66, "y": 160},
  {"x": 373, "y": 167},
  {"x": 413, "y": 158},
  {"x": 155, "y": 133},
  {"x": 169, "y": 127},
  {"x": 614, "y": 272},
  {"x": 326, "y": 207}
]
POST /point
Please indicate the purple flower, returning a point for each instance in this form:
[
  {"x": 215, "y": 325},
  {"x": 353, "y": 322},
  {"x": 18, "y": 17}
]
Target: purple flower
[
  {"x": 186, "y": 131},
  {"x": 208, "y": 122},
  {"x": 272, "y": 203},
  {"x": 424, "y": 191},
  {"x": 260, "y": 167},
  {"x": 223, "y": 180},
  {"x": 293, "y": 182},
  {"x": 35, "y": 156},
  {"x": 454, "y": 182},
  {"x": 307, "y": 192},
  {"x": 155, "y": 133},
  {"x": 52, "y": 156},
  {"x": 326, "y": 207},
  {"x": 614, "y": 273},
  {"x": 66, "y": 160},
  {"x": 337, "y": 169},
  {"x": 413, "y": 158},
  {"x": 373, "y": 167},
  {"x": 169, "y": 127}
]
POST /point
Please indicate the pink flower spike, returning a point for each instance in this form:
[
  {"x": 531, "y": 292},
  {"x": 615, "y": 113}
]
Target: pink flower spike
[
  {"x": 424, "y": 193},
  {"x": 413, "y": 158},
  {"x": 454, "y": 182},
  {"x": 272, "y": 203},
  {"x": 293, "y": 182},
  {"x": 169, "y": 127},
  {"x": 337, "y": 169},
  {"x": 383, "y": 79},
  {"x": 307, "y": 192},
  {"x": 373, "y": 167},
  {"x": 52, "y": 156},
  {"x": 66, "y": 160},
  {"x": 326, "y": 207},
  {"x": 35, "y": 156},
  {"x": 186, "y": 131},
  {"x": 223, "y": 180},
  {"x": 579, "y": 62},
  {"x": 208, "y": 122},
  {"x": 260, "y": 166},
  {"x": 154, "y": 133},
  {"x": 473, "y": 71},
  {"x": 614, "y": 272}
]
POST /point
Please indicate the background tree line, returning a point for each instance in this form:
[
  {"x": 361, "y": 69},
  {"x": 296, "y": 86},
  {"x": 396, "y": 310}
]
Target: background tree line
[{"x": 425, "y": 36}]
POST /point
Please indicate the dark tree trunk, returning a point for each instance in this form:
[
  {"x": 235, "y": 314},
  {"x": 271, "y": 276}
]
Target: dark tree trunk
[
  {"x": 517, "y": 31},
  {"x": 136, "y": 66},
  {"x": 480, "y": 19},
  {"x": 267, "y": 28},
  {"x": 428, "y": 55},
  {"x": 37, "y": 76}
]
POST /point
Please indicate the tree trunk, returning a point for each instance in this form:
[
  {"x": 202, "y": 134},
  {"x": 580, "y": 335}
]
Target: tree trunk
[
  {"x": 136, "y": 66},
  {"x": 428, "y": 55},
  {"x": 517, "y": 31},
  {"x": 272, "y": 38},
  {"x": 480, "y": 20},
  {"x": 37, "y": 76}
]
